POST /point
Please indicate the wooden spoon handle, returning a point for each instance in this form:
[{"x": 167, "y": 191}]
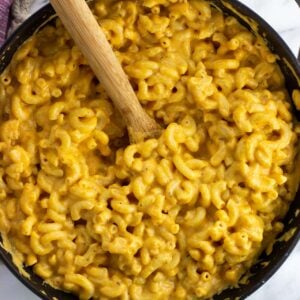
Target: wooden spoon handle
[{"x": 90, "y": 39}]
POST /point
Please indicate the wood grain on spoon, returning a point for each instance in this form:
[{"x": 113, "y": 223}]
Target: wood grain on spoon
[{"x": 90, "y": 39}]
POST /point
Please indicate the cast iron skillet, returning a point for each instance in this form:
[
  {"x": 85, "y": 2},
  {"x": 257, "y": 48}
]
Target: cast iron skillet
[{"x": 267, "y": 265}]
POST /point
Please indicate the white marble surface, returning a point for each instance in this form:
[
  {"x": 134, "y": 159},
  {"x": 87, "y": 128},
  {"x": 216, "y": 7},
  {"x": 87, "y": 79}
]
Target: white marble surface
[{"x": 284, "y": 16}]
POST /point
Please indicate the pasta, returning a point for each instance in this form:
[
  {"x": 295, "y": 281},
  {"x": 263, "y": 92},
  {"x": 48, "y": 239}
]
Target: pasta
[{"x": 181, "y": 216}]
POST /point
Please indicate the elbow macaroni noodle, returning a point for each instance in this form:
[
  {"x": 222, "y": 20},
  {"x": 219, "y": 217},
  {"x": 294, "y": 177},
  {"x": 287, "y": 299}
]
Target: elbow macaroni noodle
[{"x": 176, "y": 217}]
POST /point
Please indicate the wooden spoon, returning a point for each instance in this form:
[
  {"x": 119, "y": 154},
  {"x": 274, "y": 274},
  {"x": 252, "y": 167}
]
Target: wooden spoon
[{"x": 90, "y": 39}]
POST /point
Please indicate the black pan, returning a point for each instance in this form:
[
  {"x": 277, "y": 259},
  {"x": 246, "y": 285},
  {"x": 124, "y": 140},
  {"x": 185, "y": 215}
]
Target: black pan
[{"x": 261, "y": 271}]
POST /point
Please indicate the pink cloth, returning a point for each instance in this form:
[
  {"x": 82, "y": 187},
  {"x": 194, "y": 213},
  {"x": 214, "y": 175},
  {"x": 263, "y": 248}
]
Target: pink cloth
[{"x": 4, "y": 18}]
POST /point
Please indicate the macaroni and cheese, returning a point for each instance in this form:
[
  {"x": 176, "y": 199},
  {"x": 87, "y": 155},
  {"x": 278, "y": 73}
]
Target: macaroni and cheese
[{"x": 178, "y": 217}]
